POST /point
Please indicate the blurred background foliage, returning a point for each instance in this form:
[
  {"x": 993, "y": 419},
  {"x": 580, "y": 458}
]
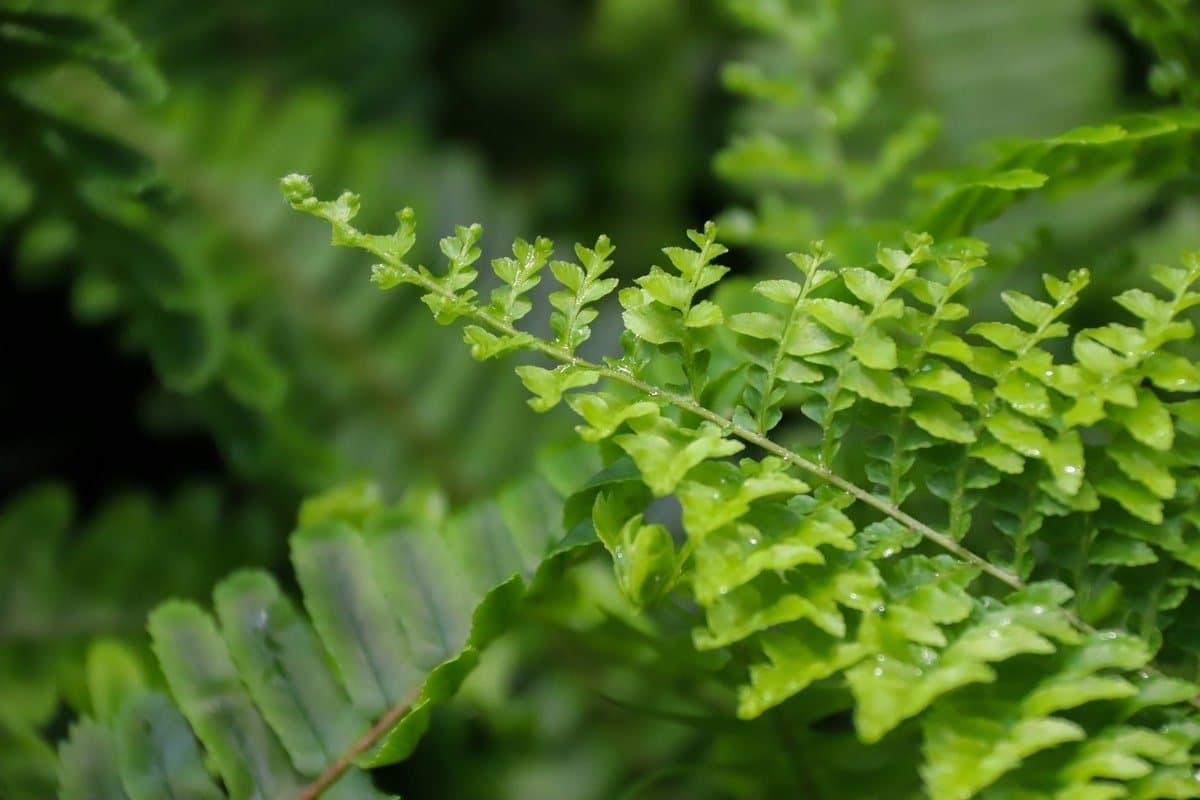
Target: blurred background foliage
[{"x": 185, "y": 359}]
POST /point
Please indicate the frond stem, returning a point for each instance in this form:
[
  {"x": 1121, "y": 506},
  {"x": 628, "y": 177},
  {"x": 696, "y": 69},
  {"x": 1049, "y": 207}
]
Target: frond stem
[
  {"x": 886, "y": 507},
  {"x": 745, "y": 434},
  {"x": 336, "y": 769}
]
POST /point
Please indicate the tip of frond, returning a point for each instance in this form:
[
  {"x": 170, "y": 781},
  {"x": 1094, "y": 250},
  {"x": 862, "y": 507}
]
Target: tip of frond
[{"x": 296, "y": 188}]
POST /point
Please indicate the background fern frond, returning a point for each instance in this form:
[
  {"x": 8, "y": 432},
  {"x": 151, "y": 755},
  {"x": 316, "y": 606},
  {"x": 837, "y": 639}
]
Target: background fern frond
[
  {"x": 57, "y": 644},
  {"x": 400, "y": 604}
]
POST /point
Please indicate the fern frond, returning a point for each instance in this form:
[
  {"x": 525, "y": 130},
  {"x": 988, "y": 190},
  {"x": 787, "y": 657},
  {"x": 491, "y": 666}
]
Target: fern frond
[
  {"x": 224, "y": 294},
  {"x": 70, "y": 634},
  {"x": 289, "y": 704},
  {"x": 844, "y": 105},
  {"x": 38, "y": 40},
  {"x": 811, "y": 92},
  {"x": 832, "y": 127},
  {"x": 1155, "y": 143},
  {"x": 827, "y": 584}
]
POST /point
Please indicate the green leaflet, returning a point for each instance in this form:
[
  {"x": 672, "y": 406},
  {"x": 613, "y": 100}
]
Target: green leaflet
[
  {"x": 520, "y": 275},
  {"x": 665, "y": 454},
  {"x": 202, "y": 677},
  {"x": 157, "y": 753},
  {"x": 979, "y": 749},
  {"x": 644, "y": 557},
  {"x": 582, "y": 288},
  {"x": 279, "y": 654},
  {"x": 706, "y": 509},
  {"x": 768, "y": 538},
  {"x": 400, "y": 605},
  {"x": 551, "y": 385},
  {"x": 817, "y": 594}
]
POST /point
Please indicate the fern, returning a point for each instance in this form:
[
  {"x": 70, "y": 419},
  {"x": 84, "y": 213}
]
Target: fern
[
  {"x": 845, "y": 102},
  {"x": 1155, "y": 143},
  {"x": 221, "y": 299},
  {"x": 823, "y": 90},
  {"x": 68, "y": 630},
  {"x": 399, "y": 599},
  {"x": 1044, "y": 473},
  {"x": 1171, "y": 29},
  {"x": 969, "y": 530},
  {"x": 812, "y": 96}
]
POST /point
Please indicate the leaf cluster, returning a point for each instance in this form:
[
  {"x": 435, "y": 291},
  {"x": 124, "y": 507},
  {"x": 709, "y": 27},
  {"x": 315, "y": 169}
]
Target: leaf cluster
[
  {"x": 964, "y": 530},
  {"x": 1051, "y": 463}
]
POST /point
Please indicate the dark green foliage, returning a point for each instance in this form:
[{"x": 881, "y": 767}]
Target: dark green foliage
[
  {"x": 257, "y": 306},
  {"x": 1172, "y": 30}
]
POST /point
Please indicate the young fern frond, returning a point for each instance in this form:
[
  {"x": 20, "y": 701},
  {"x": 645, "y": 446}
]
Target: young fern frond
[
  {"x": 811, "y": 98},
  {"x": 288, "y": 704},
  {"x": 832, "y": 589},
  {"x": 664, "y": 310}
]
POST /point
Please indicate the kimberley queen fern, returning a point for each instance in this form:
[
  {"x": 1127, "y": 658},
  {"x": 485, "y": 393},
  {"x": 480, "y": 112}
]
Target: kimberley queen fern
[{"x": 985, "y": 551}]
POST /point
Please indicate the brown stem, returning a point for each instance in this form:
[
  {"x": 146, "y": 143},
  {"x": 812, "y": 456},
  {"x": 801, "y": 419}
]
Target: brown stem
[{"x": 336, "y": 769}]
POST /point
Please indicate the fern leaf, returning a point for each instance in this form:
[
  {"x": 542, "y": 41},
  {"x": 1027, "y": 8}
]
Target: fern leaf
[
  {"x": 583, "y": 287},
  {"x": 66, "y": 625},
  {"x": 203, "y": 680},
  {"x": 278, "y": 653},
  {"x": 1075, "y": 158},
  {"x": 400, "y": 606},
  {"x": 89, "y": 765},
  {"x": 828, "y": 584}
]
